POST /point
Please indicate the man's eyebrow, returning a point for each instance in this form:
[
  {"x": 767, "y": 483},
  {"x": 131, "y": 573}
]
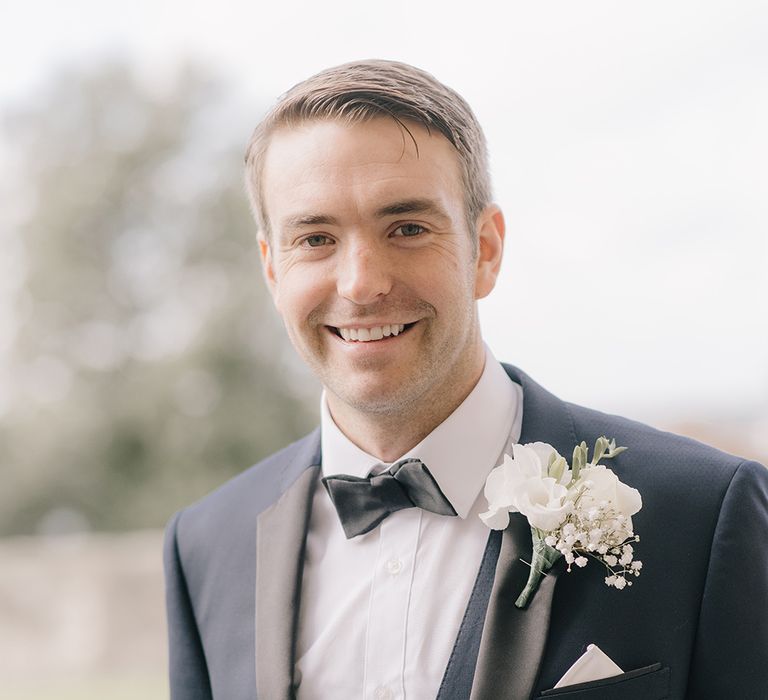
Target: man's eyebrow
[
  {"x": 411, "y": 206},
  {"x": 308, "y": 220},
  {"x": 405, "y": 206}
]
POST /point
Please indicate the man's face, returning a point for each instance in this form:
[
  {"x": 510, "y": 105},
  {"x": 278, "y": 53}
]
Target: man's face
[{"x": 371, "y": 265}]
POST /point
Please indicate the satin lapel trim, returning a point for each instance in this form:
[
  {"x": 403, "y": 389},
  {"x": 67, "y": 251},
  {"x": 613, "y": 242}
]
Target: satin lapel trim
[
  {"x": 513, "y": 640},
  {"x": 281, "y": 534}
]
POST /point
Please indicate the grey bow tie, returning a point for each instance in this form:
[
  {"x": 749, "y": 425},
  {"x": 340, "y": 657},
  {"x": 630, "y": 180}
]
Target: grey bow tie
[{"x": 363, "y": 503}]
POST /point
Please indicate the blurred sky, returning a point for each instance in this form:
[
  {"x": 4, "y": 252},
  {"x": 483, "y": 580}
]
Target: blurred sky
[{"x": 629, "y": 150}]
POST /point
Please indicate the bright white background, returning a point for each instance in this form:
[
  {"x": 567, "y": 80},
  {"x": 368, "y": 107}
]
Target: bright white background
[{"x": 629, "y": 152}]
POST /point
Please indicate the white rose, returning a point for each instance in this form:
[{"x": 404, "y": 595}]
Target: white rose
[
  {"x": 500, "y": 488},
  {"x": 605, "y": 486},
  {"x": 543, "y": 502},
  {"x": 544, "y": 452},
  {"x": 521, "y": 484}
]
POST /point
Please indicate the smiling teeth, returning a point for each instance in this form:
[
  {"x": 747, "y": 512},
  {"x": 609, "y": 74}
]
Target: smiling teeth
[{"x": 365, "y": 335}]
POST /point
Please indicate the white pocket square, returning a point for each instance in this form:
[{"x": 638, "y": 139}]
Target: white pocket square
[{"x": 592, "y": 665}]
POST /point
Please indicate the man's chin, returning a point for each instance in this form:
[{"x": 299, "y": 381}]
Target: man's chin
[{"x": 379, "y": 399}]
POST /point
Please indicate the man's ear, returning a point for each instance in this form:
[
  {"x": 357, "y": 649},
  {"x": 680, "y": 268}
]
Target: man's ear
[
  {"x": 267, "y": 266},
  {"x": 490, "y": 246}
]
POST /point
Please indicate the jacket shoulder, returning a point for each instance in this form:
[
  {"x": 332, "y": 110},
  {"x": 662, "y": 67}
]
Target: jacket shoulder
[
  {"x": 238, "y": 502},
  {"x": 646, "y": 441},
  {"x": 679, "y": 478}
]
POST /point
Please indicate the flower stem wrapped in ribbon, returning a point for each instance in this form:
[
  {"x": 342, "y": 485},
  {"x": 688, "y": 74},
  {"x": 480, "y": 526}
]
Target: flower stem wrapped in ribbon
[{"x": 579, "y": 512}]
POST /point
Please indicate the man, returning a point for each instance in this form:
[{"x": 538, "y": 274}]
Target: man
[{"x": 370, "y": 187}]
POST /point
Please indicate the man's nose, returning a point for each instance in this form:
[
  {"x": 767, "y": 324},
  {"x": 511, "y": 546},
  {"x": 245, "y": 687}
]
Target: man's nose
[{"x": 364, "y": 274}]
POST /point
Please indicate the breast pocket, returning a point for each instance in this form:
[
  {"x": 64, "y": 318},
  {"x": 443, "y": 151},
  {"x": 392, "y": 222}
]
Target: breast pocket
[{"x": 648, "y": 683}]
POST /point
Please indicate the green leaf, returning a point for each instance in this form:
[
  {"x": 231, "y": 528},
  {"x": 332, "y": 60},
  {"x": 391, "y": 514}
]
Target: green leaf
[
  {"x": 579, "y": 459},
  {"x": 557, "y": 468},
  {"x": 613, "y": 450},
  {"x": 601, "y": 447},
  {"x": 543, "y": 559}
]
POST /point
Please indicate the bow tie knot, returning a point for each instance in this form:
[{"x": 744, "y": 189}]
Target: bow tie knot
[{"x": 362, "y": 503}]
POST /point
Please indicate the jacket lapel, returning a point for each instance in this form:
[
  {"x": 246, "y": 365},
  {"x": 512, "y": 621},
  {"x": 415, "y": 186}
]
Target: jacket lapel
[
  {"x": 513, "y": 641},
  {"x": 280, "y": 541}
]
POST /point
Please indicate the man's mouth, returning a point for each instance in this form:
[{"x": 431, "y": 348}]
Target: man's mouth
[{"x": 364, "y": 335}]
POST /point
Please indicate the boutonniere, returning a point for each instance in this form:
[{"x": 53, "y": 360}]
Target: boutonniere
[{"x": 579, "y": 512}]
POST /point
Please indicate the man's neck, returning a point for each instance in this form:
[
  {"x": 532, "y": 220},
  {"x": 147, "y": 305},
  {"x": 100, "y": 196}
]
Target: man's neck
[{"x": 388, "y": 436}]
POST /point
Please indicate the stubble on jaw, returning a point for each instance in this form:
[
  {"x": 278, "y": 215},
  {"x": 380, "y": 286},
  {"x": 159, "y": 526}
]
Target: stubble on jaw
[
  {"x": 404, "y": 416},
  {"x": 389, "y": 433}
]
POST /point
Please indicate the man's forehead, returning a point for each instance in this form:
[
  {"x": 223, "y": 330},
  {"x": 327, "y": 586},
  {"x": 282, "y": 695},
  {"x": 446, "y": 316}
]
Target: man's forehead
[
  {"x": 311, "y": 169},
  {"x": 382, "y": 137}
]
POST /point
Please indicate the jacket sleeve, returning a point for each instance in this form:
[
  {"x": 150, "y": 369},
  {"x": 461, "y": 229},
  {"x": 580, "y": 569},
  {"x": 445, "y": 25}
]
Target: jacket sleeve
[
  {"x": 731, "y": 649},
  {"x": 187, "y": 666}
]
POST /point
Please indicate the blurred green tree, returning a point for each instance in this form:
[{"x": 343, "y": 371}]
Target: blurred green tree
[{"x": 147, "y": 365}]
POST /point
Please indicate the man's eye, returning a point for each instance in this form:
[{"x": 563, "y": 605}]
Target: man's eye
[
  {"x": 409, "y": 230},
  {"x": 316, "y": 241}
]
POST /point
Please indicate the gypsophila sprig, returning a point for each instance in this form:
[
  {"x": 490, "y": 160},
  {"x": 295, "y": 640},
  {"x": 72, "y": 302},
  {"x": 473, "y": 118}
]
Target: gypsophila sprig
[{"x": 579, "y": 512}]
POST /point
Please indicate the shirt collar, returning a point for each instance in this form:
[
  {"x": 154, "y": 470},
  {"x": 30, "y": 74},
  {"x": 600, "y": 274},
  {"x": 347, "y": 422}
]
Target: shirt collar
[{"x": 460, "y": 452}]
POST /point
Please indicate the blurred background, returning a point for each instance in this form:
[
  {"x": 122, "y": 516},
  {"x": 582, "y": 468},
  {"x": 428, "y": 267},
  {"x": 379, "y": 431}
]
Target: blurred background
[{"x": 141, "y": 363}]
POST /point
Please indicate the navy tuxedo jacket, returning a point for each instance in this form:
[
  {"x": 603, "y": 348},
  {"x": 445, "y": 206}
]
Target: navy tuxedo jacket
[{"x": 693, "y": 625}]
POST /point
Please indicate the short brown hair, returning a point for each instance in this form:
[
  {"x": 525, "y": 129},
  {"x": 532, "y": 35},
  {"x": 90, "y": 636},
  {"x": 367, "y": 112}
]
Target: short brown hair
[{"x": 362, "y": 90}]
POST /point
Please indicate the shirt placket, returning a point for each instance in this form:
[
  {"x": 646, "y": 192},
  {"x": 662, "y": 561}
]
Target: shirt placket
[{"x": 390, "y": 604}]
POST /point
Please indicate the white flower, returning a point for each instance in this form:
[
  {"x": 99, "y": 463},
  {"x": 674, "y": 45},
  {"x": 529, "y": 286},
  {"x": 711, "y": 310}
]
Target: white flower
[
  {"x": 573, "y": 519},
  {"x": 546, "y": 454},
  {"x": 496, "y": 518},
  {"x": 542, "y": 501},
  {"x": 522, "y": 484},
  {"x": 601, "y": 486},
  {"x": 500, "y": 489}
]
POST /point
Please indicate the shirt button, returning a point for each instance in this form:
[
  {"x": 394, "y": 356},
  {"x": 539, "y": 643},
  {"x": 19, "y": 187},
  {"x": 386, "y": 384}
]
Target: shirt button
[
  {"x": 394, "y": 567},
  {"x": 382, "y": 693}
]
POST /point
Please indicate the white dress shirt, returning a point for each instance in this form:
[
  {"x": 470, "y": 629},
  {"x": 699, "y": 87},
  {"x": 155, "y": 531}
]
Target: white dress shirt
[{"x": 379, "y": 613}]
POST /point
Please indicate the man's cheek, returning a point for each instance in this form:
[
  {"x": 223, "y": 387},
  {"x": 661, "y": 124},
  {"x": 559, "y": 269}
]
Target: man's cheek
[{"x": 294, "y": 309}]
